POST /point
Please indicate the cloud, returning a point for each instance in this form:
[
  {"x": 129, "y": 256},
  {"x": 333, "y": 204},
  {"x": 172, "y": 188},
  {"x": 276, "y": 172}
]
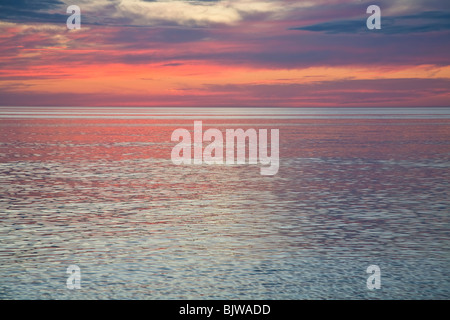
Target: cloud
[
  {"x": 408, "y": 92},
  {"x": 371, "y": 92},
  {"x": 428, "y": 21},
  {"x": 33, "y": 11},
  {"x": 189, "y": 13},
  {"x": 177, "y": 44}
]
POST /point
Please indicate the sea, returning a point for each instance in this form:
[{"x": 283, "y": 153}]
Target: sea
[{"x": 96, "y": 188}]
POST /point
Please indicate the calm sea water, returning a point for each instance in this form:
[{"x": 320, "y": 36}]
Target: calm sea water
[{"x": 96, "y": 187}]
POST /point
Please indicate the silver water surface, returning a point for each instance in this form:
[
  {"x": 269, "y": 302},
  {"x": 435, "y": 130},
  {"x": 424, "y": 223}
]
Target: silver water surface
[{"x": 104, "y": 195}]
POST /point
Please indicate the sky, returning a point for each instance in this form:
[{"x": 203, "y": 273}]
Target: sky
[{"x": 230, "y": 53}]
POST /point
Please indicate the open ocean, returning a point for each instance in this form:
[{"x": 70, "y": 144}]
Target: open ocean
[{"x": 96, "y": 188}]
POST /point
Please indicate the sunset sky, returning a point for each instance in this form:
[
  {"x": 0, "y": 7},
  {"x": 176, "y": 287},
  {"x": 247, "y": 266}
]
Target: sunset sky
[{"x": 195, "y": 53}]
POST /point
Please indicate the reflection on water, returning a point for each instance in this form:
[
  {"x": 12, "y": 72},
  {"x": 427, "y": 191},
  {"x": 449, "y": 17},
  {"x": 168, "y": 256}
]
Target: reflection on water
[{"x": 103, "y": 194}]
